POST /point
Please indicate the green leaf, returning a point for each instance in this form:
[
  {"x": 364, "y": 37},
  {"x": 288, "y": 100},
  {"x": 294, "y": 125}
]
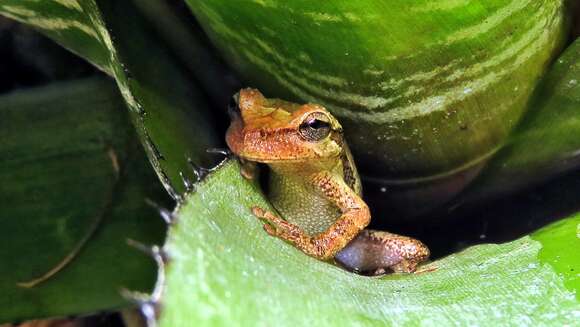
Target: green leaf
[
  {"x": 427, "y": 92},
  {"x": 225, "y": 270},
  {"x": 557, "y": 238},
  {"x": 546, "y": 142},
  {"x": 72, "y": 170},
  {"x": 64, "y": 21},
  {"x": 424, "y": 89},
  {"x": 167, "y": 108}
]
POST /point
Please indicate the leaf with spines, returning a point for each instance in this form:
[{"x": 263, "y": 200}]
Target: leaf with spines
[{"x": 225, "y": 270}]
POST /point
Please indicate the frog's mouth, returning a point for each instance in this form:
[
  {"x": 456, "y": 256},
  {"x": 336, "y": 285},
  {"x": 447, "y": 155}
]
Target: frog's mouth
[
  {"x": 289, "y": 159},
  {"x": 269, "y": 159}
]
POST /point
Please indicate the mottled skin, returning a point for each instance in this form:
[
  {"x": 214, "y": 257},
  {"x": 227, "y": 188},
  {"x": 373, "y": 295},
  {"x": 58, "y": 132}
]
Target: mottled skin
[{"x": 313, "y": 184}]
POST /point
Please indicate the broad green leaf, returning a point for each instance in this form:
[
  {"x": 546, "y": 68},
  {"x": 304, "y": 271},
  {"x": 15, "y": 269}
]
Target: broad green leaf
[
  {"x": 167, "y": 108},
  {"x": 225, "y": 270},
  {"x": 547, "y": 141},
  {"x": 72, "y": 170},
  {"x": 427, "y": 90}
]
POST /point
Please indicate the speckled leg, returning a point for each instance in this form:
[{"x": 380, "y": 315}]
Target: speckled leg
[
  {"x": 322, "y": 246},
  {"x": 377, "y": 252},
  {"x": 355, "y": 216}
]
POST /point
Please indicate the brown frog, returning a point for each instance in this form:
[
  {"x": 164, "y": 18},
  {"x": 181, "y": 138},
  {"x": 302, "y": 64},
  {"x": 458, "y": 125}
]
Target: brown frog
[{"x": 313, "y": 185}]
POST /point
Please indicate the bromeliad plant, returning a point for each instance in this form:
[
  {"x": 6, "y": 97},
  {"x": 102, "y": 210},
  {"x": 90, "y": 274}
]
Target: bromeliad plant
[{"x": 445, "y": 104}]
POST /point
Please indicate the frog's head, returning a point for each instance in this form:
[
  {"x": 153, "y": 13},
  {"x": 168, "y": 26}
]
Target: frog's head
[{"x": 273, "y": 130}]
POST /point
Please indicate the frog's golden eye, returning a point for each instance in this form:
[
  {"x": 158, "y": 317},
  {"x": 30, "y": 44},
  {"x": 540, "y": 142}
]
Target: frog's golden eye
[{"x": 315, "y": 127}]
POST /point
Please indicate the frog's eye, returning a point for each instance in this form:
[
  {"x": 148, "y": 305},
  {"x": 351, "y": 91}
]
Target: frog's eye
[{"x": 315, "y": 127}]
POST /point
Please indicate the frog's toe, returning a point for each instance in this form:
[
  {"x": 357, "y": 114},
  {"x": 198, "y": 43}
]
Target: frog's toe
[
  {"x": 258, "y": 212},
  {"x": 274, "y": 225},
  {"x": 270, "y": 230},
  {"x": 405, "y": 266},
  {"x": 268, "y": 217}
]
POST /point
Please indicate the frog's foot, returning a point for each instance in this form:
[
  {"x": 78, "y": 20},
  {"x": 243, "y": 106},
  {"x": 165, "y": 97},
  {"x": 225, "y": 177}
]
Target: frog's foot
[
  {"x": 376, "y": 252},
  {"x": 426, "y": 270},
  {"x": 276, "y": 226}
]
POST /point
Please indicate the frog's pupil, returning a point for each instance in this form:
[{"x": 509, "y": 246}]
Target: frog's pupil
[
  {"x": 317, "y": 124},
  {"x": 314, "y": 129}
]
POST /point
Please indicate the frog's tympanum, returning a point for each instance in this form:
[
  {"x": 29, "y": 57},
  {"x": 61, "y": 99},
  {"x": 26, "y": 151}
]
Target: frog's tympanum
[{"x": 313, "y": 185}]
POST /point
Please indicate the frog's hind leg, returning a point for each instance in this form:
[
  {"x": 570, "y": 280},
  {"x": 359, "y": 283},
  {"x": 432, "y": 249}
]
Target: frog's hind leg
[{"x": 377, "y": 252}]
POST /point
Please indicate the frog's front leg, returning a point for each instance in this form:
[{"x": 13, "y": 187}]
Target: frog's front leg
[
  {"x": 355, "y": 216},
  {"x": 279, "y": 227}
]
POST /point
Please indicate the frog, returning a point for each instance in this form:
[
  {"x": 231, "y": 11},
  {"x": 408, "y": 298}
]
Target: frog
[{"x": 313, "y": 185}]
